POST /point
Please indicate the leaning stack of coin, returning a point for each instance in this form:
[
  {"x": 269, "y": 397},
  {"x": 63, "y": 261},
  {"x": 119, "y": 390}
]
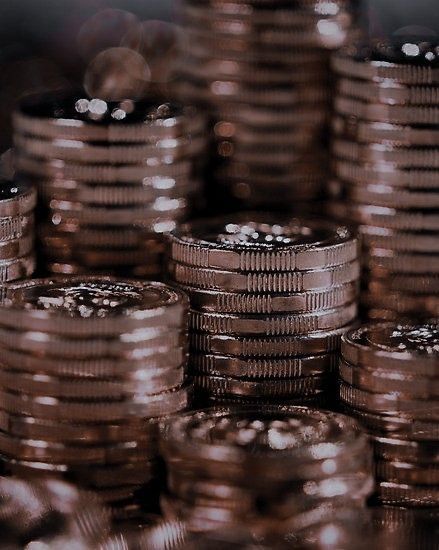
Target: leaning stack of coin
[
  {"x": 386, "y": 165},
  {"x": 274, "y": 469},
  {"x": 50, "y": 514},
  {"x": 112, "y": 178},
  {"x": 389, "y": 382},
  {"x": 261, "y": 70},
  {"x": 270, "y": 298},
  {"x": 87, "y": 367},
  {"x": 17, "y": 204}
]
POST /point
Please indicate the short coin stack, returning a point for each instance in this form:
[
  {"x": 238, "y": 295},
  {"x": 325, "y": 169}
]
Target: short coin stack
[
  {"x": 17, "y": 228},
  {"x": 386, "y": 163},
  {"x": 87, "y": 367},
  {"x": 271, "y": 469},
  {"x": 112, "y": 177},
  {"x": 270, "y": 298},
  {"x": 261, "y": 70},
  {"x": 390, "y": 383}
]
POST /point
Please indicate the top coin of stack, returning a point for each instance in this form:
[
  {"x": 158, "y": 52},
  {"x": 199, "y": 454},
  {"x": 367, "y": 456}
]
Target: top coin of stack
[
  {"x": 270, "y": 297},
  {"x": 87, "y": 367},
  {"x": 273, "y": 469},
  {"x": 386, "y": 163},
  {"x": 17, "y": 228},
  {"x": 390, "y": 383},
  {"x": 112, "y": 177},
  {"x": 261, "y": 69}
]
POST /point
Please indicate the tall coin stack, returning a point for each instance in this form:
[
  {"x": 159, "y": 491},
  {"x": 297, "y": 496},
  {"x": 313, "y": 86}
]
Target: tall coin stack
[
  {"x": 389, "y": 382},
  {"x": 112, "y": 178},
  {"x": 261, "y": 70},
  {"x": 17, "y": 229},
  {"x": 87, "y": 368},
  {"x": 386, "y": 163},
  {"x": 272, "y": 469},
  {"x": 270, "y": 298}
]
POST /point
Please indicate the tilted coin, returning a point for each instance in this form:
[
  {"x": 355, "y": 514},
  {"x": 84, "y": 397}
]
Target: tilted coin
[
  {"x": 264, "y": 282},
  {"x": 272, "y": 325},
  {"x": 389, "y": 403},
  {"x": 390, "y": 93},
  {"x": 274, "y": 346},
  {"x": 407, "y": 495},
  {"x": 219, "y": 365},
  {"x": 66, "y": 116},
  {"x": 383, "y": 153},
  {"x": 390, "y": 114},
  {"x": 16, "y": 198},
  {"x": 358, "y": 66},
  {"x": 263, "y": 243},
  {"x": 234, "y": 302},
  {"x": 91, "y": 306},
  {"x": 383, "y": 381},
  {"x": 407, "y": 473},
  {"x": 391, "y": 346}
]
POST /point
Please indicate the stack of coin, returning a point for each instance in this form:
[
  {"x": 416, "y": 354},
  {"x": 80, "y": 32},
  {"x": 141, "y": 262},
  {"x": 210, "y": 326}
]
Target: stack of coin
[
  {"x": 270, "y": 297},
  {"x": 386, "y": 165},
  {"x": 50, "y": 514},
  {"x": 17, "y": 204},
  {"x": 389, "y": 382},
  {"x": 87, "y": 367},
  {"x": 274, "y": 469},
  {"x": 261, "y": 69},
  {"x": 112, "y": 178}
]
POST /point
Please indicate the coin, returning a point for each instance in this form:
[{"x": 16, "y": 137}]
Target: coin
[
  {"x": 402, "y": 494},
  {"x": 16, "y": 198},
  {"x": 410, "y": 474}
]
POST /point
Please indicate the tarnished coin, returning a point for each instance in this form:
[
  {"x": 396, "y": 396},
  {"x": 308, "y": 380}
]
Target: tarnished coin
[
  {"x": 390, "y": 346},
  {"x": 263, "y": 243},
  {"x": 17, "y": 248},
  {"x": 92, "y": 305},
  {"x": 16, "y": 198},
  {"x": 17, "y": 268},
  {"x": 12, "y": 228}
]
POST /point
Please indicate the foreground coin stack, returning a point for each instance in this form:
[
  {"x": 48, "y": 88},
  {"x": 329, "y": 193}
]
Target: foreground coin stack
[
  {"x": 261, "y": 70},
  {"x": 389, "y": 382},
  {"x": 88, "y": 366},
  {"x": 270, "y": 298},
  {"x": 386, "y": 164},
  {"x": 273, "y": 469},
  {"x": 17, "y": 228},
  {"x": 50, "y": 514},
  {"x": 112, "y": 178}
]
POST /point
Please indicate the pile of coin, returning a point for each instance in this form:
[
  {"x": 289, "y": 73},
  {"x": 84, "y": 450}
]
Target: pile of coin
[
  {"x": 261, "y": 70},
  {"x": 17, "y": 228},
  {"x": 270, "y": 298},
  {"x": 386, "y": 165},
  {"x": 50, "y": 514},
  {"x": 112, "y": 178},
  {"x": 88, "y": 367},
  {"x": 389, "y": 382},
  {"x": 274, "y": 469}
]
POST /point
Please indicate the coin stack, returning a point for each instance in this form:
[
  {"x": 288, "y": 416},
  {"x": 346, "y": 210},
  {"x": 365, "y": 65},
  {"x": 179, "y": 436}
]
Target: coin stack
[
  {"x": 261, "y": 70},
  {"x": 274, "y": 469},
  {"x": 50, "y": 514},
  {"x": 88, "y": 366},
  {"x": 17, "y": 204},
  {"x": 389, "y": 382},
  {"x": 270, "y": 298},
  {"x": 386, "y": 165},
  {"x": 112, "y": 178}
]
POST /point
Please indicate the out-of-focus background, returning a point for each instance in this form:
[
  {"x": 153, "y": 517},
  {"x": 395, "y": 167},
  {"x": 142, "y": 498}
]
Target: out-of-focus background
[{"x": 50, "y": 43}]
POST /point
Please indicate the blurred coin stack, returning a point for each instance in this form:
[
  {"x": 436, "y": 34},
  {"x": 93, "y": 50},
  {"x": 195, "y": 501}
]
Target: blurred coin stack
[
  {"x": 112, "y": 177},
  {"x": 50, "y": 514},
  {"x": 88, "y": 366},
  {"x": 272, "y": 469},
  {"x": 17, "y": 228},
  {"x": 389, "y": 382},
  {"x": 261, "y": 70},
  {"x": 270, "y": 298},
  {"x": 386, "y": 165}
]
